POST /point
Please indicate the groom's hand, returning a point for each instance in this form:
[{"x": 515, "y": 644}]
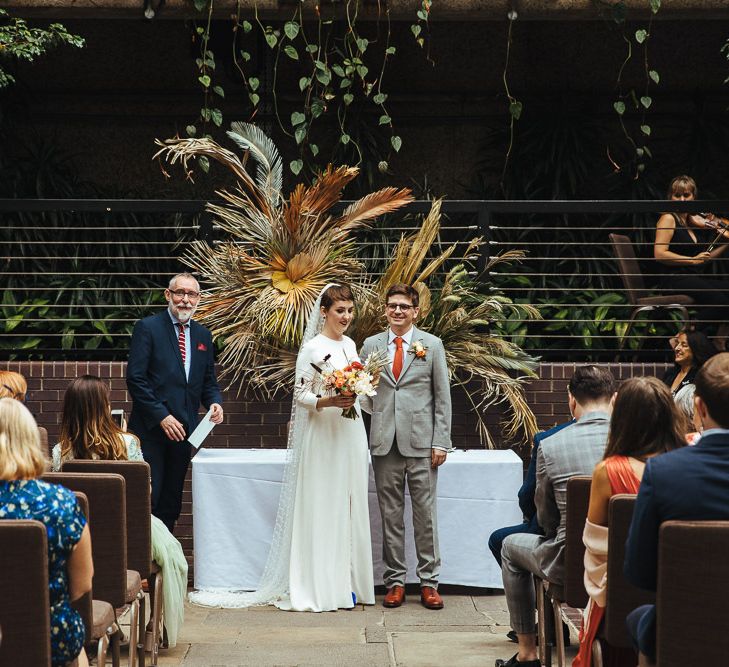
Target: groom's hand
[{"x": 437, "y": 457}]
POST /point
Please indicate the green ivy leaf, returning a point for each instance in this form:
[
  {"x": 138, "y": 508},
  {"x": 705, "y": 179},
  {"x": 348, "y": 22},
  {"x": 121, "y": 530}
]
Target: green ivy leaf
[
  {"x": 646, "y": 129},
  {"x": 320, "y": 65},
  {"x": 291, "y": 52},
  {"x": 619, "y": 106},
  {"x": 362, "y": 71},
  {"x": 348, "y": 98},
  {"x": 300, "y": 134},
  {"x": 317, "y": 108},
  {"x": 421, "y": 15},
  {"x": 271, "y": 39},
  {"x": 337, "y": 69},
  {"x": 323, "y": 77},
  {"x": 654, "y": 75},
  {"x": 204, "y": 80},
  {"x": 205, "y": 114},
  {"x": 247, "y": 27},
  {"x": 219, "y": 91},
  {"x": 216, "y": 115},
  {"x": 379, "y": 98},
  {"x": 297, "y": 118},
  {"x": 345, "y": 83},
  {"x": 396, "y": 143},
  {"x": 296, "y": 166},
  {"x": 655, "y": 6},
  {"x": 515, "y": 109},
  {"x": 303, "y": 83},
  {"x": 314, "y": 149},
  {"x": 385, "y": 120},
  {"x": 245, "y": 55},
  {"x": 415, "y": 29},
  {"x": 646, "y": 101},
  {"x": 641, "y": 36},
  {"x": 390, "y": 50},
  {"x": 254, "y": 98},
  {"x": 210, "y": 63},
  {"x": 200, "y": 4},
  {"x": 362, "y": 44},
  {"x": 191, "y": 130},
  {"x": 253, "y": 83},
  {"x": 291, "y": 29},
  {"x": 345, "y": 138},
  {"x": 382, "y": 166},
  {"x": 204, "y": 163},
  {"x": 312, "y": 48},
  {"x": 639, "y": 152}
]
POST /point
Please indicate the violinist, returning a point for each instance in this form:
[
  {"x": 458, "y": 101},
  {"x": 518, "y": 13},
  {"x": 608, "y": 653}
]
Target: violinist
[{"x": 687, "y": 244}]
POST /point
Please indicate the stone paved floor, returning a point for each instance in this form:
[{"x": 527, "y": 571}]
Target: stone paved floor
[{"x": 470, "y": 631}]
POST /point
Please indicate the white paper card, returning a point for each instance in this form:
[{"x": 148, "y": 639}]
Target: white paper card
[{"x": 202, "y": 431}]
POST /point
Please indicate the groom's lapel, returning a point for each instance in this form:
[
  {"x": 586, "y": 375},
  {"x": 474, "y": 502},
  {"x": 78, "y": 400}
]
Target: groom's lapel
[
  {"x": 382, "y": 345},
  {"x": 409, "y": 357}
]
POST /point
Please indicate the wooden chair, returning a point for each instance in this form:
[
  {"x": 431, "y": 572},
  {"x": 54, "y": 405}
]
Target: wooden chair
[
  {"x": 139, "y": 536},
  {"x": 621, "y": 597},
  {"x": 45, "y": 447},
  {"x": 113, "y": 582},
  {"x": 639, "y": 298},
  {"x": 98, "y": 616},
  {"x": 691, "y": 602},
  {"x": 24, "y": 612},
  {"x": 566, "y": 600}
]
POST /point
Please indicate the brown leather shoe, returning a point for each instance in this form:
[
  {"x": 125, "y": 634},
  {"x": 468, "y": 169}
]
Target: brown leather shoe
[
  {"x": 395, "y": 596},
  {"x": 430, "y": 599}
]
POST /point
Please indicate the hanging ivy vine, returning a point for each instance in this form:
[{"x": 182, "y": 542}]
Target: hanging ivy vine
[{"x": 334, "y": 60}]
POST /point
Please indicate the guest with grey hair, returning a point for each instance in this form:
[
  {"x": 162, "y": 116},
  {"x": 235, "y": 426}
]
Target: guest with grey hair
[{"x": 684, "y": 400}]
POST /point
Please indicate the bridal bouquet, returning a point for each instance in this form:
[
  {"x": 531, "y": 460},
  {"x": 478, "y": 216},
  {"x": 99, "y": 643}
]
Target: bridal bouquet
[{"x": 355, "y": 379}]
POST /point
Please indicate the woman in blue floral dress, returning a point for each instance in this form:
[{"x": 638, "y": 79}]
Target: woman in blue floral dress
[{"x": 24, "y": 496}]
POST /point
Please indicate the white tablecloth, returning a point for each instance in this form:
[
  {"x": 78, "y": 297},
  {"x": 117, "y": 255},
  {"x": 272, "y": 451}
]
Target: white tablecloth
[{"x": 235, "y": 497}]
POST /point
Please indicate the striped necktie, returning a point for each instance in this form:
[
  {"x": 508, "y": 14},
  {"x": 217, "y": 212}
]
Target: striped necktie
[{"x": 181, "y": 341}]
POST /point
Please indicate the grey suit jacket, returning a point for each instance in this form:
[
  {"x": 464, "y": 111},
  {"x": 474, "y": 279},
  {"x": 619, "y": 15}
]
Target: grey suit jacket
[
  {"x": 417, "y": 408},
  {"x": 575, "y": 450}
]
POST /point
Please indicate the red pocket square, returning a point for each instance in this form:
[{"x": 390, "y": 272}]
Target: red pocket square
[{"x": 202, "y": 347}]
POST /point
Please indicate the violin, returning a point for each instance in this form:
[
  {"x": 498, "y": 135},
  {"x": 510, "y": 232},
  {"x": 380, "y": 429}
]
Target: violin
[{"x": 714, "y": 222}]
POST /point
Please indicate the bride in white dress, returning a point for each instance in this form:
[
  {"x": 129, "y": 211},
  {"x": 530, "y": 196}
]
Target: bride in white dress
[{"x": 321, "y": 552}]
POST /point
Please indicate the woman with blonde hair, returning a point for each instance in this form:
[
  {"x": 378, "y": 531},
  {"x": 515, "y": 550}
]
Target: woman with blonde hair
[
  {"x": 89, "y": 432},
  {"x": 13, "y": 385},
  {"x": 24, "y": 496}
]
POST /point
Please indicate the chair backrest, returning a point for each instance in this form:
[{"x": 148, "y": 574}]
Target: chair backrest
[
  {"x": 84, "y": 605},
  {"x": 107, "y": 505},
  {"x": 578, "y": 500},
  {"x": 693, "y": 588},
  {"x": 139, "y": 506},
  {"x": 622, "y": 596},
  {"x": 43, "y": 432},
  {"x": 630, "y": 272},
  {"x": 25, "y": 606}
]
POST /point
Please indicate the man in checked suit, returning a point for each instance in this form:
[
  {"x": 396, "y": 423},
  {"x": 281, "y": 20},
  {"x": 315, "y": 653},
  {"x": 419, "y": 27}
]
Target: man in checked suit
[
  {"x": 410, "y": 436},
  {"x": 169, "y": 373},
  {"x": 575, "y": 450}
]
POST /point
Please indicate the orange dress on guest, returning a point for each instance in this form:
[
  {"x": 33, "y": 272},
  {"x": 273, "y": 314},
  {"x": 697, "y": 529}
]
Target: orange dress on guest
[{"x": 622, "y": 480}]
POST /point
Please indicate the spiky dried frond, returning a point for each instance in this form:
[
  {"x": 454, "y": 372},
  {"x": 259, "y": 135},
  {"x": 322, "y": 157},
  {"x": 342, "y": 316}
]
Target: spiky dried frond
[
  {"x": 373, "y": 205},
  {"x": 269, "y": 175}
]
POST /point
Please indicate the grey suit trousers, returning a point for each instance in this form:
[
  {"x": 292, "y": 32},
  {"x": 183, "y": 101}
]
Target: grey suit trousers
[{"x": 391, "y": 472}]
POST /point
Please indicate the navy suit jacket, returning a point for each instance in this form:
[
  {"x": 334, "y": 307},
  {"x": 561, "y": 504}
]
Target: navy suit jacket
[
  {"x": 688, "y": 484},
  {"x": 529, "y": 486},
  {"x": 156, "y": 377}
]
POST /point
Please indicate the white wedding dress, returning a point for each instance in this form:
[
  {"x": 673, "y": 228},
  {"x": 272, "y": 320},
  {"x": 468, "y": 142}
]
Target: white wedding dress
[{"x": 331, "y": 551}]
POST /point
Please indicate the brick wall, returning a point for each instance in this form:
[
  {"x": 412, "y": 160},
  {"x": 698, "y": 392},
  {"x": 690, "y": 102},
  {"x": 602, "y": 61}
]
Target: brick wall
[{"x": 258, "y": 423}]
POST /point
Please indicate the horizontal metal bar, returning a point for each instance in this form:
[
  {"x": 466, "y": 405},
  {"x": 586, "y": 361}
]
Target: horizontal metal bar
[{"x": 105, "y": 229}]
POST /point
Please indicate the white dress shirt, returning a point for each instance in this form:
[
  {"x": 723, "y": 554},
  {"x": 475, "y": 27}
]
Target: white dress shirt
[
  {"x": 391, "y": 347},
  {"x": 177, "y": 323}
]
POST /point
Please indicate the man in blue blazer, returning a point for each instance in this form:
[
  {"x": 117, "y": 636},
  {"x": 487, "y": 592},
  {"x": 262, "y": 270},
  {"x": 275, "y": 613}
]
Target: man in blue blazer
[
  {"x": 690, "y": 484},
  {"x": 169, "y": 374}
]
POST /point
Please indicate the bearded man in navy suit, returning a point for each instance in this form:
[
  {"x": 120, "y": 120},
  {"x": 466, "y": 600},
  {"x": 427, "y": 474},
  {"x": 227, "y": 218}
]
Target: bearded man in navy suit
[{"x": 170, "y": 373}]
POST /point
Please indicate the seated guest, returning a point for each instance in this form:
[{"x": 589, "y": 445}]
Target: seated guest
[
  {"x": 691, "y": 483},
  {"x": 573, "y": 451},
  {"x": 691, "y": 350},
  {"x": 684, "y": 400},
  {"x": 645, "y": 421},
  {"x": 24, "y": 496},
  {"x": 13, "y": 385},
  {"x": 89, "y": 432}
]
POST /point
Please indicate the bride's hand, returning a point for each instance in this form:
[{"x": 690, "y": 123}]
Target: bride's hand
[{"x": 336, "y": 401}]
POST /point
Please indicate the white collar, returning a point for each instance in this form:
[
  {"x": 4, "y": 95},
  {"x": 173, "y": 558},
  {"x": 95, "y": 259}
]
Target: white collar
[{"x": 407, "y": 336}]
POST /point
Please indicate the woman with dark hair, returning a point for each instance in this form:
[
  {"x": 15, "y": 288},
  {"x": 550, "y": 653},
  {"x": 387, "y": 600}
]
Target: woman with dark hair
[
  {"x": 687, "y": 244},
  {"x": 692, "y": 349},
  {"x": 24, "y": 496},
  {"x": 645, "y": 422},
  {"x": 89, "y": 432},
  {"x": 321, "y": 554}
]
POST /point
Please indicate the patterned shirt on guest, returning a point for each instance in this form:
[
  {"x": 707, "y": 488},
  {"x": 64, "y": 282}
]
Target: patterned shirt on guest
[{"x": 56, "y": 508}]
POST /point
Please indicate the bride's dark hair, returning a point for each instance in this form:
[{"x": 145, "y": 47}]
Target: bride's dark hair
[{"x": 336, "y": 293}]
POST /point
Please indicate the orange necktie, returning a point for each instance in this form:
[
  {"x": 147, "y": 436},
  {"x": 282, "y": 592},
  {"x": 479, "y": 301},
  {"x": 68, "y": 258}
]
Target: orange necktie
[{"x": 397, "y": 361}]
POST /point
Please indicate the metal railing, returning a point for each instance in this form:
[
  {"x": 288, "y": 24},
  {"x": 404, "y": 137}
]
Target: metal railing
[{"x": 77, "y": 274}]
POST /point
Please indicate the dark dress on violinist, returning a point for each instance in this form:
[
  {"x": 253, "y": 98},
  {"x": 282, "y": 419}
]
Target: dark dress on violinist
[{"x": 710, "y": 293}]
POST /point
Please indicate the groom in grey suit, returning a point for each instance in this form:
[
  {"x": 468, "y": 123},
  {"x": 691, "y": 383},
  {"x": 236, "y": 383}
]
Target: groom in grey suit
[{"x": 410, "y": 436}]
